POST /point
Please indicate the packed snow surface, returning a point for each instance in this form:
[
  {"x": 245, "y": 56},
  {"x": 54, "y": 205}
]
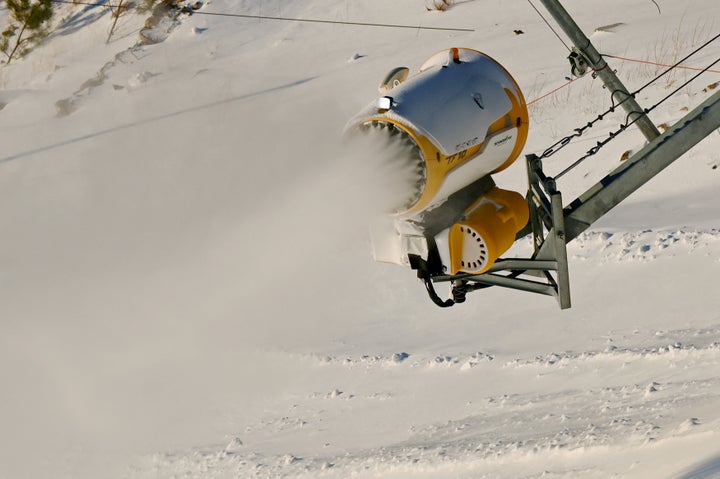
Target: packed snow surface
[{"x": 187, "y": 287}]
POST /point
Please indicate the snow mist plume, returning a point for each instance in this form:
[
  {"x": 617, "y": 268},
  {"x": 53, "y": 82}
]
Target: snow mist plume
[{"x": 387, "y": 166}]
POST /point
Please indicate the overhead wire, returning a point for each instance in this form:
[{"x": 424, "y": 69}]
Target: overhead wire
[
  {"x": 592, "y": 151},
  {"x": 560, "y": 144},
  {"x": 548, "y": 24},
  {"x": 292, "y": 19},
  {"x": 647, "y": 62},
  {"x": 554, "y": 90},
  {"x": 683, "y": 85},
  {"x": 579, "y": 131},
  {"x": 334, "y": 22},
  {"x": 678, "y": 63}
]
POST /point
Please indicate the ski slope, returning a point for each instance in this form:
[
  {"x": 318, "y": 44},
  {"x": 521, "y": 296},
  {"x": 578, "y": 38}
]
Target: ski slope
[{"x": 187, "y": 282}]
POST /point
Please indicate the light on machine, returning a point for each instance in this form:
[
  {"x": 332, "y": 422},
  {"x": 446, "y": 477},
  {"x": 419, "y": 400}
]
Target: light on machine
[{"x": 384, "y": 103}]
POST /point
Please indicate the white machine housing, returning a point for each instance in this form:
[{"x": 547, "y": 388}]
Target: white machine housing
[{"x": 468, "y": 119}]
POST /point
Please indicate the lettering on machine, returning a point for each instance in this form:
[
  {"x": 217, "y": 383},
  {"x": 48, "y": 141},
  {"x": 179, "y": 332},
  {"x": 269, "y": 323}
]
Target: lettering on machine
[
  {"x": 467, "y": 143},
  {"x": 503, "y": 140}
]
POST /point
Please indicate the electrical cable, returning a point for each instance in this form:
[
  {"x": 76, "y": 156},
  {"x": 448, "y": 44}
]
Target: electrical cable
[
  {"x": 678, "y": 63},
  {"x": 647, "y": 62},
  {"x": 434, "y": 296},
  {"x": 335, "y": 22},
  {"x": 629, "y": 123},
  {"x": 549, "y": 26},
  {"x": 544, "y": 95},
  {"x": 290, "y": 19},
  {"x": 560, "y": 144}
]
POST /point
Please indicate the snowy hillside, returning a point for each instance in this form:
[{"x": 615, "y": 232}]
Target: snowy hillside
[{"x": 187, "y": 287}]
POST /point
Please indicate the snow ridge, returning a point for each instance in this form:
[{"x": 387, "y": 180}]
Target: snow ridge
[{"x": 646, "y": 245}]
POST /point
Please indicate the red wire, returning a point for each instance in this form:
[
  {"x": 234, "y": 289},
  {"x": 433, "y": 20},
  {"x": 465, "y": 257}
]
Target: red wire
[
  {"x": 551, "y": 92},
  {"x": 625, "y": 59},
  {"x": 660, "y": 64}
]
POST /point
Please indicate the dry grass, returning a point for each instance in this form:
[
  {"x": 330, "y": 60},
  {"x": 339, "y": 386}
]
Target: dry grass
[
  {"x": 439, "y": 5},
  {"x": 670, "y": 47}
]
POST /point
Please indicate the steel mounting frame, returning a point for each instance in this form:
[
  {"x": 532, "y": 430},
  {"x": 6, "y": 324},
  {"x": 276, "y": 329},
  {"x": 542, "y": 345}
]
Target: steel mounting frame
[{"x": 546, "y": 271}]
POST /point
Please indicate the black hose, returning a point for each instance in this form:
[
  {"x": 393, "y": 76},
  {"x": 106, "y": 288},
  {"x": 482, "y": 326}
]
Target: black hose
[{"x": 434, "y": 296}]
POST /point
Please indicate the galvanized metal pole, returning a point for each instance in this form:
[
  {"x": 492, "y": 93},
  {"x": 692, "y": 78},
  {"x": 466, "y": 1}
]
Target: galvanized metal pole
[
  {"x": 642, "y": 166},
  {"x": 606, "y": 74}
]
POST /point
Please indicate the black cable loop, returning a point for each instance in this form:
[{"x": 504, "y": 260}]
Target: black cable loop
[
  {"x": 614, "y": 105},
  {"x": 641, "y": 113},
  {"x": 434, "y": 296}
]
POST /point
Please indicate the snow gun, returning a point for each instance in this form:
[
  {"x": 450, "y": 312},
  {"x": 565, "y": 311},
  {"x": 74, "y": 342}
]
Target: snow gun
[{"x": 457, "y": 121}]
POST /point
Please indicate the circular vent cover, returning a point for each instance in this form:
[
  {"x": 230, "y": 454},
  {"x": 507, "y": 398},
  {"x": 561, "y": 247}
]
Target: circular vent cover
[{"x": 474, "y": 250}]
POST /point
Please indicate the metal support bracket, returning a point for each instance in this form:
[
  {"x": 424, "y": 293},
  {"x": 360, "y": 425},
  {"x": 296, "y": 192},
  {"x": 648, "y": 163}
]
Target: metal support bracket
[
  {"x": 578, "y": 63},
  {"x": 546, "y": 272}
]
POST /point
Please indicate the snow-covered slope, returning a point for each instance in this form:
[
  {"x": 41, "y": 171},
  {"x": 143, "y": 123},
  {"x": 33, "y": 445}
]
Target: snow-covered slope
[{"x": 188, "y": 291}]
